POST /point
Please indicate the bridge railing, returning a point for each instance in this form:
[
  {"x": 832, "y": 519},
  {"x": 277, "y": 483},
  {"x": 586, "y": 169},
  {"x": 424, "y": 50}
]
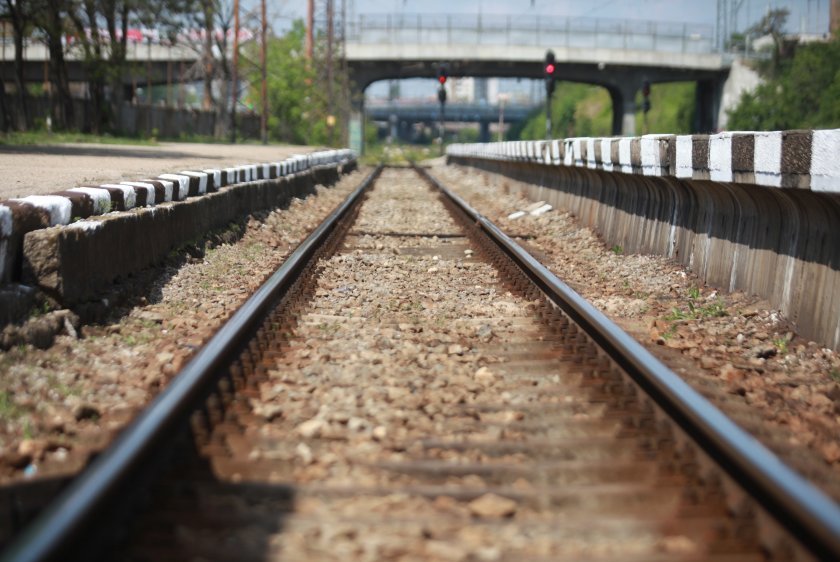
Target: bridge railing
[{"x": 522, "y": 30}]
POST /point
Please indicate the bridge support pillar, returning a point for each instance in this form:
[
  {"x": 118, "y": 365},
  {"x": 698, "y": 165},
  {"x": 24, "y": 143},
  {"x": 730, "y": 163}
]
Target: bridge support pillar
[
  {"x": 484, "y": 131},
  {"x": 623, "y": 98},
  {"x": 707, "y": 106},
  {"x": 356, "y": 123}
]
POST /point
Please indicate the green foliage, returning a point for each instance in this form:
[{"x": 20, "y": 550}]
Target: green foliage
[
  {"x": 617, "y": 250},
  {"x": 695, "y": 310},
  {"x": 672, "y": 109},
  {"x": 803, "y": 94},
  {"x": 576, "y": 110},
  {"x": 8, "y": 409},
  {"x": 297, "y": 102},
  {"x": 581, "y": 110}
]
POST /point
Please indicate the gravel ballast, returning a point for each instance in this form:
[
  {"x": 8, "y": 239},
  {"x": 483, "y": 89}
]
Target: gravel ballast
[
  {"x": 58, "y": 405},
  {"x": 739, "y": 353}
]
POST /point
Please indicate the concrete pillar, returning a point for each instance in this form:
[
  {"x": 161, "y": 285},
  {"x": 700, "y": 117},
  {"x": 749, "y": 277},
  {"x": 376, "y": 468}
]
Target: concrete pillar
[
  {"x": 484, "y": 131},
  {"x": 356, "y": 124},
  {"x": 623, "y": 98},
  {"x": 707, "y": 99}
]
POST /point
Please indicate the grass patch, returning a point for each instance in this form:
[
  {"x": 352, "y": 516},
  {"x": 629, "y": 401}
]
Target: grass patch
[
  {"x": 617, "y": 250},
  {"x": 8, "y": 409},
  {"x": 31, "y": 138},
  {"x": 695, "y": 310},
  {"x": 781, "y": 344}
]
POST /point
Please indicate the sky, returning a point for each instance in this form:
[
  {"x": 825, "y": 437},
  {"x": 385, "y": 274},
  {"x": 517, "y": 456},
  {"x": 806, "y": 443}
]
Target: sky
[{"x": 807, "y": 15}]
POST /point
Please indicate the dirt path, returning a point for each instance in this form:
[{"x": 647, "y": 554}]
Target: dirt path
[{"x": 33, "y": 170}]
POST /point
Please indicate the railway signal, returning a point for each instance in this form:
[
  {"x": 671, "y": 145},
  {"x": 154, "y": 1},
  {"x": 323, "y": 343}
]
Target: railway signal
[
  {"x": 645, "y": 105},
  {"x": 442, "y": 76},
  {"x": 549, "y": 73}
]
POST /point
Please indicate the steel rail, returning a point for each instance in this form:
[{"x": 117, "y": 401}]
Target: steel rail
[
  {"x": 797, "y": 505},
  {"x": 69, "y": 521}
]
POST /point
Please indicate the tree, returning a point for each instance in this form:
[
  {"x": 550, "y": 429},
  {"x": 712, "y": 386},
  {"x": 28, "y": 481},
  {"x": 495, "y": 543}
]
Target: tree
[
  {"x": 803, "y": 93},
  {"x": 19, "y": 16},
  {"x": 105, "y": 48},
  {"x": 773, "y": 24},
  {"x": 297, "y": 106},
  {"x": 49, "y": 16}
]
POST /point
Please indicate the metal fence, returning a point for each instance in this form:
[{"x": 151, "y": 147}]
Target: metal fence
[
  {"x": 585, "y": 33},
  {"x": 141, "y": 120}
]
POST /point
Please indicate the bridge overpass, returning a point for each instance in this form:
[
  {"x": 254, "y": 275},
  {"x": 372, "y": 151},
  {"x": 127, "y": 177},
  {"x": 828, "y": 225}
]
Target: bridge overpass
[
  {"x": 616, "y": 54},
  {"x": 396, "y": 114}
]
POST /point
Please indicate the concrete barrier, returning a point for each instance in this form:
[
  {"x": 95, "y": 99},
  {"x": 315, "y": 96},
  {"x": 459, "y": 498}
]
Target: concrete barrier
[
  {"x": 757, "y": 212},
  {"x": 74, "y": 242}
]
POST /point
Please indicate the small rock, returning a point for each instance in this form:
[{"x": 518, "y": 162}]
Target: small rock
[
  {"x": 304, "y": 453},
  {"x": 492, "y": 506},
  {"x": 441, "y": 550},
  {"x": 312, "y": 428},
  {"x": 455, "y": 349},
  {"x": 164, "y": 357},
  {"x": 484, "y": 376},
  {"x": 709, "y": 363},
  {"x": 31, "y": 448},
  {"x": 831, "y": 452},
  {"x": 380, "y": 432}
]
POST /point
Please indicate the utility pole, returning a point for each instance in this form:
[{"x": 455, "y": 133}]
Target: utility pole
[
  {"x": 330, "y": 62},
  {"x": 235, "y": 76},
  {"x": 264, "y": 89},
  {"x": 310, "y": 24}
]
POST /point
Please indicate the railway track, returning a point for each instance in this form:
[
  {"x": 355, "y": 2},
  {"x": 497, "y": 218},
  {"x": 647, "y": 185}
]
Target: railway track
[{"x": 411, "y": 385}]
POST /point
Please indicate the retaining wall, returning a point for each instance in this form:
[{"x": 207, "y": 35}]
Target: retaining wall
[
  {"x": 72, "y": 243},
  {"x": 758, "y": 212}
]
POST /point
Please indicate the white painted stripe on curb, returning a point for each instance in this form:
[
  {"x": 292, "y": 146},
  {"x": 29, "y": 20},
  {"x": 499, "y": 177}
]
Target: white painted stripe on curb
[
  {"x": 5, "y": 221},
  {"x": 147, "y": 187},
  {"x": 767, "y": 158},
  {"x": 183, "y": 185},
  {"x": 825, "y": 161},
  {"x": 129, "y": 197},
  {"x": 168, "y": 188},
  {"x": 624, "y": 155},
  {"x": 720, "y": 157},
  {"x": 649, "y": 147},
  {"x": 684, "y": 156},
  {"x": 606, "y": 154},
  {"x": 202, "y": 180},
  {"x": 86, "y": 225},
  {"x": 101, "y": 198},
  {"x": 58, "y": 207},
  {"x": 217, "y": 177}
]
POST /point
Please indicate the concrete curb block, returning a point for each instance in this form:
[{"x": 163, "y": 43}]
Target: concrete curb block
[
  {"x": 780, "y": 244},
  {"x": 24, "y": 215},
  {"x": 790, "y": 159},
  {"x": 75, "y": 262}
]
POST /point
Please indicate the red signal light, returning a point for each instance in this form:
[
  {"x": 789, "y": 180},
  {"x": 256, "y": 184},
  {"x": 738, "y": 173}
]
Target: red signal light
[
  {"x": 442, "y": 79},
  {"x": 549, "y": 69}
]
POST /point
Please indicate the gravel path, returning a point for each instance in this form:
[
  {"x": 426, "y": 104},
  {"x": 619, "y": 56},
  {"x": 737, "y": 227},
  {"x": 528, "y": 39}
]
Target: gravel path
[
  {"x": 59, "y": 404},
  {"x": 733, "y": 348},
  {"x": 33, "y": 170}
]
